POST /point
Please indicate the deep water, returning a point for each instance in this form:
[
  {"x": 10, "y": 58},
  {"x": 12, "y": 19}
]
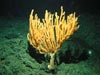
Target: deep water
[
  {"x": 16, "y": 60},
  {"x": 79, "y": 55}
]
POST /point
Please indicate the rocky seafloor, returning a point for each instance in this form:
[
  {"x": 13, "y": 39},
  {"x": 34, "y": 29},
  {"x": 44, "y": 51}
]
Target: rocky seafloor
[{"x": 16, "y": 60}]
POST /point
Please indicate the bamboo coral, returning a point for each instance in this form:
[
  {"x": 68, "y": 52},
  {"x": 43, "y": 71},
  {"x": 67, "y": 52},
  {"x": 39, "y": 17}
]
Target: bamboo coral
[{"x": 48, "y": 35}]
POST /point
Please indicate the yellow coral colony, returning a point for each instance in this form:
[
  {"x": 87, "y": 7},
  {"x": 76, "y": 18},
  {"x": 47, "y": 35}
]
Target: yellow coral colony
[{"x": 48, "y": 35}]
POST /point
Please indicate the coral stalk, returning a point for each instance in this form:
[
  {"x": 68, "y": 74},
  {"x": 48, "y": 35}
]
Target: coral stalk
[{"x": 51, "y": 66}]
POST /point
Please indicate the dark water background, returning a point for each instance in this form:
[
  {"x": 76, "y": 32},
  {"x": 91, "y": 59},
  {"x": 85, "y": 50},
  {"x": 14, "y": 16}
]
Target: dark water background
[{"x": 23, "y": 7}]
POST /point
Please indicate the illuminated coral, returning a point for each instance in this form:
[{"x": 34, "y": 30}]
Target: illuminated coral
[{"x": 48, "y": 35}]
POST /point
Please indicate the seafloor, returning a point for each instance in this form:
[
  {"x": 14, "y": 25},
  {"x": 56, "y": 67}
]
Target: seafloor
[{"x": 15, "y": 59}]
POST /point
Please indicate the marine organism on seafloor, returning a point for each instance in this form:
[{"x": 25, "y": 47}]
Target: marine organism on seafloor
[{"x": 48, "y": 35}]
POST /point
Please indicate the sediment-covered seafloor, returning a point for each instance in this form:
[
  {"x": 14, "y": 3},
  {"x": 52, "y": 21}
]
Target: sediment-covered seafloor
[{"x": 15, "y": 60}]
